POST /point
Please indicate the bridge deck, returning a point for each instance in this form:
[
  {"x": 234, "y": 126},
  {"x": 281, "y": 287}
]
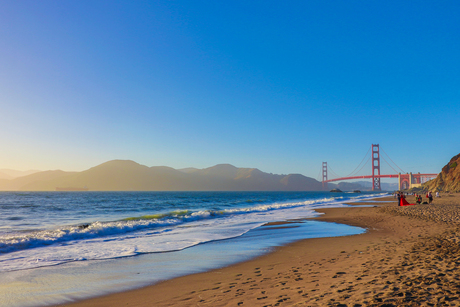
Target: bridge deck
[{"x": 380, "y": 176}]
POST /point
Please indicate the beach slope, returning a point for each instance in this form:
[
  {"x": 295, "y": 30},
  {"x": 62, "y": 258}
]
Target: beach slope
[{"x": 409, "y": 256}]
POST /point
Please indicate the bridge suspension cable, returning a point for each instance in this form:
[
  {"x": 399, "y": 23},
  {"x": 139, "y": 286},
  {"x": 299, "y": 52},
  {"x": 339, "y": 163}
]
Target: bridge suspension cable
[
  {"x": 363, "y": 165},
  {"x": 393, "y": 162},
  {"x": 353, "y": 172},
  {"x": 332, "y": 171},
  {"x": 319, "y": 175},
  {"x": 389, "y": 165}
]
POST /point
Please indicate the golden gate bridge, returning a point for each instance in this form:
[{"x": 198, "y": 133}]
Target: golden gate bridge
[{"x": 405, "y": 180}]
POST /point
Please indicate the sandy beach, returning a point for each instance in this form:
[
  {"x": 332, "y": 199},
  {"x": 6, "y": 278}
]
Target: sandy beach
[{"x": 408, "y": 257}]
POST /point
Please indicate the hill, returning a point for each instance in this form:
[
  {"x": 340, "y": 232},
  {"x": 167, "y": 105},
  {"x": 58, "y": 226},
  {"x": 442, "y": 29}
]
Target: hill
[
  {"x": 126, "y": 175},
  {"x": 10, "y": 174},
  {"x": 448, "y": 180}
]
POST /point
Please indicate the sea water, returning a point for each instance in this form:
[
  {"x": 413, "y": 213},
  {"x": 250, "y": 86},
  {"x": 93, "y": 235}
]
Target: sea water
[{"x": 60, "y": 246}]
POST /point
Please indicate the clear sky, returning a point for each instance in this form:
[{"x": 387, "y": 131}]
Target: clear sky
[{"x": 277, "y": 85}]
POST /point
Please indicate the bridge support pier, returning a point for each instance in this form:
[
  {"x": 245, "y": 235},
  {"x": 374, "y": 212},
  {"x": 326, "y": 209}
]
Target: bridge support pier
[{"x": 409, "y": 180}]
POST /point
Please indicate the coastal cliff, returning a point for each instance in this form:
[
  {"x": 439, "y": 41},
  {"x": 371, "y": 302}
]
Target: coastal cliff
[{"x": 448, "y": 179}]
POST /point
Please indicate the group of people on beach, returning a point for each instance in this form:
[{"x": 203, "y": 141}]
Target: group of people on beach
[{"x": 418, "y": 197}]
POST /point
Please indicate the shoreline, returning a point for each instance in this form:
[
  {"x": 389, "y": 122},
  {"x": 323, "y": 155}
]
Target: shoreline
[{"x": 362, "y": 269}]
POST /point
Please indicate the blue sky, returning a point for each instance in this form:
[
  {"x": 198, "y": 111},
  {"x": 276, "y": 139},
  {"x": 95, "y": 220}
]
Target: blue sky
[{"x": 280, "y": 86}]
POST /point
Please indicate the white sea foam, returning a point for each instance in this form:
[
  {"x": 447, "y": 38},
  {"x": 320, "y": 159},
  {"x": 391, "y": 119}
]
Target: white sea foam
[{"x": 146, "y": 234}]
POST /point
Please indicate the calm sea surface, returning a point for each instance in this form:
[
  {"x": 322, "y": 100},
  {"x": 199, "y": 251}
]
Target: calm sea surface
[{"x": 60, "y": 246}]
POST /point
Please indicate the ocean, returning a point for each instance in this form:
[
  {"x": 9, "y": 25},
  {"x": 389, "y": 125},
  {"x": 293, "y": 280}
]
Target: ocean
[{"x": 57, "y": 247}]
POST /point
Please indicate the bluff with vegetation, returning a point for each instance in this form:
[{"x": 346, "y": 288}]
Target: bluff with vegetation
[
  {"x": 125, "y": 175},
  {"x": 449, "y": 178}
]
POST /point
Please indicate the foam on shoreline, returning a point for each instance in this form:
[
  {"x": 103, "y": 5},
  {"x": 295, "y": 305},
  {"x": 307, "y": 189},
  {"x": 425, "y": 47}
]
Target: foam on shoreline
[
  {"x": 132, "y": 235},
  {"x": 80, "y": 280},
  {"x": 378, "y": 267}
]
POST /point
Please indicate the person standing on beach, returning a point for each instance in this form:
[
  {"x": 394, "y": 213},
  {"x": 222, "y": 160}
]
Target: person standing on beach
[{"x": 430, "y": 197}]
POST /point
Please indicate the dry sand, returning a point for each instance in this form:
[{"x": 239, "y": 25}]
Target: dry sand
[{"x": 410, "y": 256}]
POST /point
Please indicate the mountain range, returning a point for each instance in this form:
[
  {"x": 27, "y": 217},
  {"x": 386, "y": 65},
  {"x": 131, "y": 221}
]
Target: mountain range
[
  {"x": 126, "y": 175},
  {"x": 11, "y": 174}
]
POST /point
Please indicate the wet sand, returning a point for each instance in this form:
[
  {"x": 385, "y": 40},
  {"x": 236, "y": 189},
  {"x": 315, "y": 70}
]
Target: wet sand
[{"x": 410, "y": 256}]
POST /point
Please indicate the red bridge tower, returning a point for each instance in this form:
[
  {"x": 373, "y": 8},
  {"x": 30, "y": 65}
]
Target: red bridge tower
[
  {"x": 324, "y": 175},
  {"x": 376, "y": 167}
]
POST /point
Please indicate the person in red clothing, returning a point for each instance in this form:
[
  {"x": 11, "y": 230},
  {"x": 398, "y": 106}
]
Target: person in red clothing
[{"x": 403, "y": 202}]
